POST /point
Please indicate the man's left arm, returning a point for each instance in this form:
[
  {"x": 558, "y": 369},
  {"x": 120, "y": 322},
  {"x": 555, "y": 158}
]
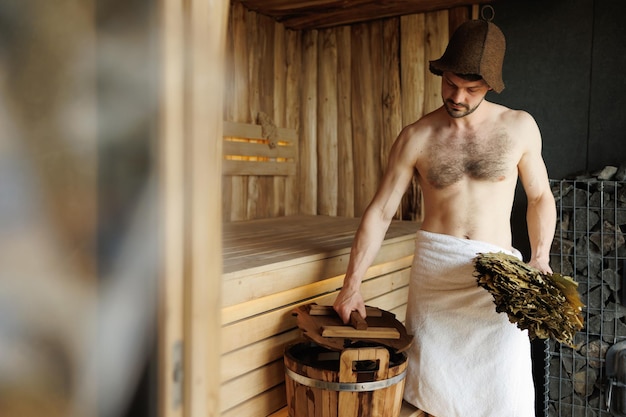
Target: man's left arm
[{"x": 541, "y": 211}]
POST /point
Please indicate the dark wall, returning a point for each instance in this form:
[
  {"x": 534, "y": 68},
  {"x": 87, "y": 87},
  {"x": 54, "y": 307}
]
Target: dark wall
[
  {"x": 564, "y": 65},
  {"x": 607, "y": 132}
]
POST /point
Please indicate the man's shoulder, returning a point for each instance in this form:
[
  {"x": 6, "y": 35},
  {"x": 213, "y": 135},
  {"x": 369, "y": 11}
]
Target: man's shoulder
[
  {"x": 427, "y": 122},
  {"x": 416, "y": 135},
  {"x": 511, "y": 115},
  {"x": 520, "y": 126}
]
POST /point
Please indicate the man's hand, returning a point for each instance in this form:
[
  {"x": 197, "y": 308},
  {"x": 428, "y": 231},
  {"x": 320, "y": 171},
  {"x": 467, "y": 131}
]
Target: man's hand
[
  {"x": 543, "y": 266},
  {"x": 347, "y": 301}
]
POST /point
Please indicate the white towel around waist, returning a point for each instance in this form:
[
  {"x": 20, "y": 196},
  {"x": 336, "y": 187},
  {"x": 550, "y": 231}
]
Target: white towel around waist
[{"x": 467, "y": 359}]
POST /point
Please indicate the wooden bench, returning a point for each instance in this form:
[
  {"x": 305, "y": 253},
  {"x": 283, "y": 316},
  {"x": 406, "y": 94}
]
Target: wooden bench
[{"x": 273, "y": 265}]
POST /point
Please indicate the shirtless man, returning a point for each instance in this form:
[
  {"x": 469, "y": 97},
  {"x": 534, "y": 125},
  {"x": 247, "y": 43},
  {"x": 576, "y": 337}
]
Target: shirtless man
[{"x": 467, "y": 156}]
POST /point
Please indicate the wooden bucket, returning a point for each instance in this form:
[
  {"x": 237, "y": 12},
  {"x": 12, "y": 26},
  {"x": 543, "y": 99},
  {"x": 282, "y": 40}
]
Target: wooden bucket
[{"x": 356, "y": 382}]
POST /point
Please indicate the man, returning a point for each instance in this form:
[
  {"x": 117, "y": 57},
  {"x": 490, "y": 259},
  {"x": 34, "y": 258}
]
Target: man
[{"x": 467, "y": 360}]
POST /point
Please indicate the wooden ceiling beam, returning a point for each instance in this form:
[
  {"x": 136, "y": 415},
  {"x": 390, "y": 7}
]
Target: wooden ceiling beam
[{"x": 317, "y": 14}]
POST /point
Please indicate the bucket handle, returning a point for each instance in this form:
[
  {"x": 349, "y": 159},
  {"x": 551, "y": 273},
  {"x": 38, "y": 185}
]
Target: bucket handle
[
  {"x": 351, "y": 356},
  {"x": 348, "y": 402}
]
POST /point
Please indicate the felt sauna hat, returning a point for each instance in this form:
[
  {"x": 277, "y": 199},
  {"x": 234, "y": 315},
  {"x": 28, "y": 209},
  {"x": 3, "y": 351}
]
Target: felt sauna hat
[{"x": 476, "y": 47}]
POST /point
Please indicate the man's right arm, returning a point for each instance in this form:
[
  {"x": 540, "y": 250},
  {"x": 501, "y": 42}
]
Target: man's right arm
[{"x": 374, "y": 225}]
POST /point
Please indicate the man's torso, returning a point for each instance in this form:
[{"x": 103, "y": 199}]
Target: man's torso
[{"x": 468, "y": 176}]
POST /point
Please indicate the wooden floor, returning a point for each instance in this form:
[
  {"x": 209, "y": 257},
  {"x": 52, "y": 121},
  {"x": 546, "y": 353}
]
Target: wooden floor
[{"x": 248, "y": 244}]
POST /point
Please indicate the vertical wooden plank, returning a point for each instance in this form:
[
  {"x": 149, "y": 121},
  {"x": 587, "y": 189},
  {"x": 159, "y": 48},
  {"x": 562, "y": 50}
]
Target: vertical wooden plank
[
  {"x": 456, "y": 16},
  {"x": 239, "y": 197},
  {"x": 254, "y": 43},
  {"x": 252, "y": 194},
  {"x": 376, "y": 58},
  {"x": 265, "y": 70},
  {"x": 392, "y": 96},
  {"x": 345, "y": 186},
  {"x": 207, "y": 30},
  {"x": 278, "y": 207},
  {"x": 293, "y": 62},
  {"x": 229, "y": 65},
  {"x": 412, "y": 65},
  {"x": 240, "y": 95},
  {"x": 278, "y": 203},
  {"x": 227, "y": 197},
  {"x": 229, "y": 108},
  {"x": 308, "y": 132},
  {"x": 436, "y": 37},
  {"x": 265, "y": 196},
  {"x": 254, "y": 64},
  {"x": 280, "y": 69},
  {"x": 327, "y": 124},
  {"x": 240, "y": 100},
  {"x": 265, "y": 74},
  {"x": 172, "y": 179},
  {"x": 412, "y": 78},
  {"x": 475, "y": 11},
  {"x": 364, "y": 124}
]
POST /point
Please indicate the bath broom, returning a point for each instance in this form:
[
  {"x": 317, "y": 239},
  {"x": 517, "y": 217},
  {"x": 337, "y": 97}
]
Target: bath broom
[{"x": 547, "y": 305}]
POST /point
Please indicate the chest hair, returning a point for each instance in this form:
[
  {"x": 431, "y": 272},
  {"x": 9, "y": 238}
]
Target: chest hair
[{"x": 478, "y": 158}]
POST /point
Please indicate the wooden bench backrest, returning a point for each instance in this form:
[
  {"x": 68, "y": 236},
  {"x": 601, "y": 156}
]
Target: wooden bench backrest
[{"x": 251, "y": 149}]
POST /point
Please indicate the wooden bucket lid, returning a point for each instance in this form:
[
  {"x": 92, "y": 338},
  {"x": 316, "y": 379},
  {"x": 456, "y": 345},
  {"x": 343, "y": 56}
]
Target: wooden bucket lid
[{"x": 322, "y": 325}]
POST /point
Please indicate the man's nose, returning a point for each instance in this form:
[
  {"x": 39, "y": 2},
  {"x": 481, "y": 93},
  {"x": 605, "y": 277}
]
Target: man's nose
[{"x": 457, "y": 96}]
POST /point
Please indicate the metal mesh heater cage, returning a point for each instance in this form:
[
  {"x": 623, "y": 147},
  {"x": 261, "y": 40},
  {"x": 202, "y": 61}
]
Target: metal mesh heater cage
[{"x": 589, "y": 246}]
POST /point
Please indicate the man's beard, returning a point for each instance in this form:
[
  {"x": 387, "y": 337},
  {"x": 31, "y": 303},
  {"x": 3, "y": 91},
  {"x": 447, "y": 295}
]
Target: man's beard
[{"x": 447, "y": 103}]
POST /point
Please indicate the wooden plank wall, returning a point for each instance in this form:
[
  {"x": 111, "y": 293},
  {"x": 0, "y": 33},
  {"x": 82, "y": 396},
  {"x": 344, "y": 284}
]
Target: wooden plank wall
[{"x": 347, "y": 90}]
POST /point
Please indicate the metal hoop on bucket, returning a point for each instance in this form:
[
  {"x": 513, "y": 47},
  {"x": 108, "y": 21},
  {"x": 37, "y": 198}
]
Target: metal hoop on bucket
[{"x": 345, "y": 386}]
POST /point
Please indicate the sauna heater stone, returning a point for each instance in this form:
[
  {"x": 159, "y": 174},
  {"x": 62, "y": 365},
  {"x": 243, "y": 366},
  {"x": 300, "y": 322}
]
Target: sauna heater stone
[{"x": 588, "y": 246}]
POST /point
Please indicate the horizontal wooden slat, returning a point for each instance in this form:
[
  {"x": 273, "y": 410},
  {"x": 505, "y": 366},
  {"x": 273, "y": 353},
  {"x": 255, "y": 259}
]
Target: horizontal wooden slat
[
  {"x": 322, "y": 310},
  {"x": 317, "y": 14},
  {"x": 258, "y": 168},
  {"x": 246, "y": 359},
  {"x": 245, "y": 332},
  {"x": 261, "y": 405},
  {"x": 258, "y": 150},
  {"x": 260, "y": 304},
  {"x": 250, "y": 151},
  {"x": 251, "y": 384},
  {"x": 393, "y": 299},
  {"x": 272, "y": 282},
  {"x": 372, "y": 332},
  {"x": 242, "y": 130},
  {"x": 400, "y": 313},
  {"x": 253, "y": 131}
]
